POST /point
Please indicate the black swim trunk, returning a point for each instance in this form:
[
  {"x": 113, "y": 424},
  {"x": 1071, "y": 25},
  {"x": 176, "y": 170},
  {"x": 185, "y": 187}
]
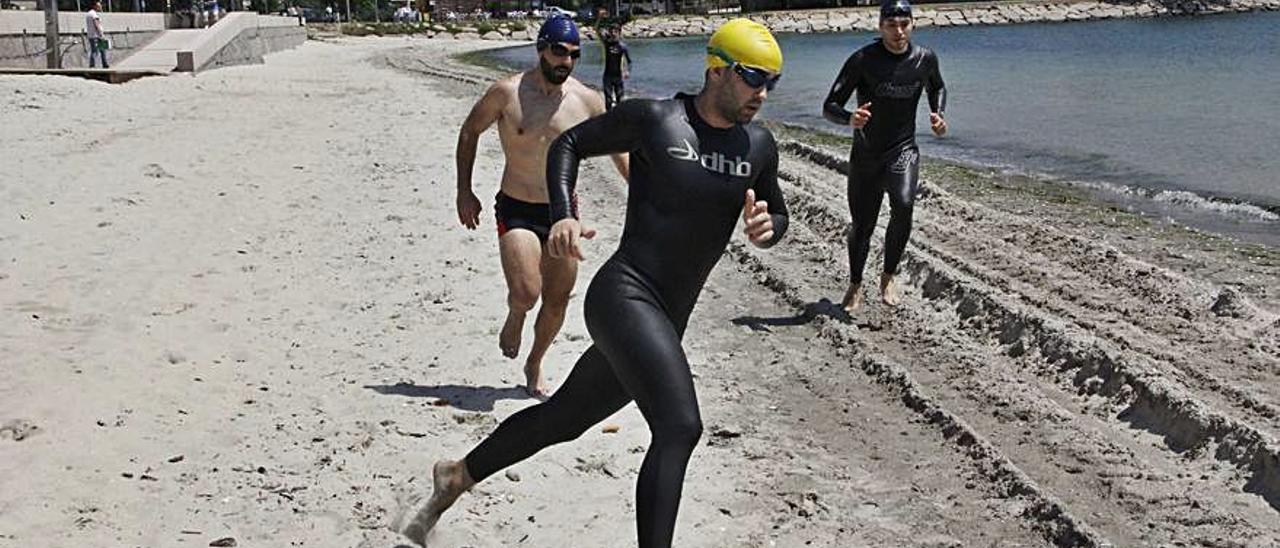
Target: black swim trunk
[{"x": 512, "y": 214}]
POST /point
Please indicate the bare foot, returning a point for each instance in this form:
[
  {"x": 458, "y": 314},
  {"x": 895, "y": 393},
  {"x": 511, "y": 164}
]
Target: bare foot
[
  {"x": 852, "y": 298},
  {"x": 533, "y": 380},
  {"x": 451, "y": 480},
  {"x": 509, "y": 338},
  {"x": 889, "y": 290}
]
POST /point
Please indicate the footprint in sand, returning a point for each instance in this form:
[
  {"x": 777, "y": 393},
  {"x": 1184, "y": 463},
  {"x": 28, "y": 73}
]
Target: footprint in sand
[
  {"x": 156, "y": 171},
  {"x": 18, "y": 429}
]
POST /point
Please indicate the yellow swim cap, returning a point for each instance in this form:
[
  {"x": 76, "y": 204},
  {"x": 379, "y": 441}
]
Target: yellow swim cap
[{"x": 747, "y": 42}]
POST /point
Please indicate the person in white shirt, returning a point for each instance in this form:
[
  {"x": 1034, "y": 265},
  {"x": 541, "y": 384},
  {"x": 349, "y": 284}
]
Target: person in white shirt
[{"x": 97, "y": 39}]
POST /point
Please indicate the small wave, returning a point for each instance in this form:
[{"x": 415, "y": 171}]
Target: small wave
[
  {"x": 1240, "y": 209},
  {"x": 1190, "y": 200},
  {"x": 1220, "y": 205}
]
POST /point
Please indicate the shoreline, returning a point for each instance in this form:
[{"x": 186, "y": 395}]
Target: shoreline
[
  {"x": 1199, "y": 206},
  {"x": 1020, "y": 189},
  {"x": 1210, "y": 213}
]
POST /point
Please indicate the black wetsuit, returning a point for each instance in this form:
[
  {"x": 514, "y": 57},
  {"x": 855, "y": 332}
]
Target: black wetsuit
[
  {"x": 614, "y": 52},
  {"x": 687, "y": 189},
  {"x": 884, "y": 157}
]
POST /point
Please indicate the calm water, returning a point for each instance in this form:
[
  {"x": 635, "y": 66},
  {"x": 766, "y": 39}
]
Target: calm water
[{"x": 1156, "y": 113}]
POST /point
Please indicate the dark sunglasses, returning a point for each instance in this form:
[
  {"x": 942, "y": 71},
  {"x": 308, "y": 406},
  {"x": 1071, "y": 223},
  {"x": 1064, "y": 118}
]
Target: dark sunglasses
[
  {"x": 756, "y": 78},
  {"x": 560, "y": 50},
  {"x": 753, "y": 77}
]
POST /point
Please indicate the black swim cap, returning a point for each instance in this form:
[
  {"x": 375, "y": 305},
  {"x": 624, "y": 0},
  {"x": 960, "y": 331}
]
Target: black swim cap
[{"x": 895, "y": 8}]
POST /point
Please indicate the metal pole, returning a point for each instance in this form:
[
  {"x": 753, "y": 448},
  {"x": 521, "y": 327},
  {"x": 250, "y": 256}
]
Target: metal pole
[{"x": 51, "y": 34}]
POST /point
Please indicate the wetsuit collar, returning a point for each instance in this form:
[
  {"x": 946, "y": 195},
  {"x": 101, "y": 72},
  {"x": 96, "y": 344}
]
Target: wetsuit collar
[{"x": 691, "y": 110}]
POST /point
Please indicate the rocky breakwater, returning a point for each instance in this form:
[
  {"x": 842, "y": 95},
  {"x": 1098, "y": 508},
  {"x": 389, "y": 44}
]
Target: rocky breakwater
[
  {"x": 862, "y": 18},
  {"x": 506, "y": 30},
  {"x": 839, "y": 20}
]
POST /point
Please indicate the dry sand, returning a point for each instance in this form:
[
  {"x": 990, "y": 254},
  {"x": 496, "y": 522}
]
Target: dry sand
[{"x": 240, "y": 305}]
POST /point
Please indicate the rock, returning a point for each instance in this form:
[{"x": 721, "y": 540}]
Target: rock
[
  {"x": 721, "y": 435},
  {"x": 493, "y": 35},
  {"x": 224, "y": 542},
  {"x": 1230, "y": 303},
  {"x": 512, "y": 475},
  {"x": 466, "y": 36}
]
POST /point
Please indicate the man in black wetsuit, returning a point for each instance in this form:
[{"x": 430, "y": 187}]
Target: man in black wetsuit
[
  {"x": 889, "y": 76},
  {"x": 697, "y": 165},
  {"x": 615, "y": 72}
]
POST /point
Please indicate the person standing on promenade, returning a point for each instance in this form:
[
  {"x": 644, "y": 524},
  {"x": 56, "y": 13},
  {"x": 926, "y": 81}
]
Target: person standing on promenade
[
  {"x": 531, "y": 109},
  {"x": 699, "y": 166},
  {"x": 889, "y": 76},
  {"x": 97, "y": 38}
]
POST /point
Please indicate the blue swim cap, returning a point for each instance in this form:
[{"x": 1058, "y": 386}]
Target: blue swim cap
[
  {"x": 557, "y": 29},
  {"x": 895, "y": 8}
]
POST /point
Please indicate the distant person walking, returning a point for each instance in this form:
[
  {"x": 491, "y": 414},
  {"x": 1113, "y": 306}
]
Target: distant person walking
[
  {"x": 97, "y": 39},
  {"x": 617, "y": 66}
]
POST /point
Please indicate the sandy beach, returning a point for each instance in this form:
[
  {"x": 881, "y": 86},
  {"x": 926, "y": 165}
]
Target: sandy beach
[{"x": 240, "y": 305}]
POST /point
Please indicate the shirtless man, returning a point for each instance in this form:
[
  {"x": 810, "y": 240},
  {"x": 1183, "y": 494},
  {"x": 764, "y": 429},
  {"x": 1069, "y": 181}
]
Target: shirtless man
[{"x": 531, "y": 108}]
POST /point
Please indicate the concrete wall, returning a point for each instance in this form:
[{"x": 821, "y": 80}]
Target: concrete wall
[
  {"x": 252, "y": 44},
  {"x": 72, "y": 22},
  {"x": 228, "y": 29},
  {"x": 22, "y": 43},
  {"x": 28, "y": 51}
]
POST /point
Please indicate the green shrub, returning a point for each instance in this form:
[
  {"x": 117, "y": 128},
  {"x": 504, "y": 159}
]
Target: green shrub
[{"x": 383, "y": 29}]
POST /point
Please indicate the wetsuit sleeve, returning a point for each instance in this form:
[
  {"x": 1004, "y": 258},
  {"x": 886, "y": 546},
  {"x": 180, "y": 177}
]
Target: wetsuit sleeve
[
  {"x": 936, "y": 88},
  {"x": 767, "y": 189},
  {"x": 833, "y": 108},
  {"x": 627, "y": 54},
  {"x": 615, "y": 132}
]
